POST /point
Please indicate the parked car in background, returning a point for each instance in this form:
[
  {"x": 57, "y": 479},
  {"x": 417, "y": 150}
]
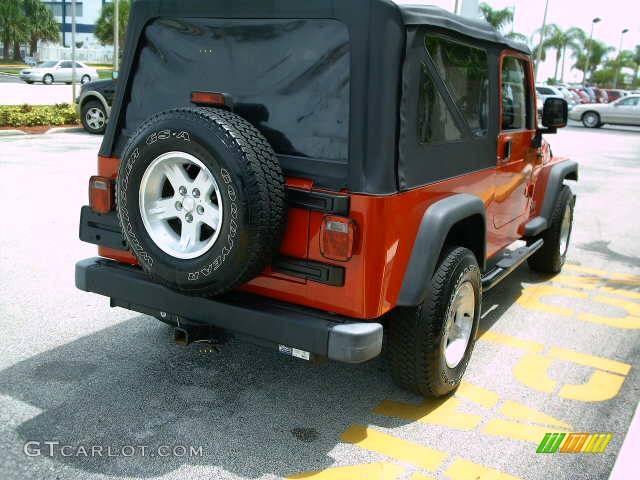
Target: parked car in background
[
  {"x": 584, "y": 97},
  {"x": 601, "y": 95},
  {"x": 58, "y": 71},
  {"x": 614, "y": 94},
  {"x": 94, "y": 104},
  {"x": 549, "y": 91},
  {"x": 624, "y": 111}
]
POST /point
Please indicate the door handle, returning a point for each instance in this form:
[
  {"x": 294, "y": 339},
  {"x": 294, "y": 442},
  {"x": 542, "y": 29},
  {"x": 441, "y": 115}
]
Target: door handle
[{"x": 507, "y": 150}]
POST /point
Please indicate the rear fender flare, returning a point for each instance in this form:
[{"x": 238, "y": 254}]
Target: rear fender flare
[{"x": 435, "y": 226}]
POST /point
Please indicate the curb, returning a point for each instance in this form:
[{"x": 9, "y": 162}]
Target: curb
[
  {"x": 11, "y": 133},
  {"x": 64, "y": 130}
]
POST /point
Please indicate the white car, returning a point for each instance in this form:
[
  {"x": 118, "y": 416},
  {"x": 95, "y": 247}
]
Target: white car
[
  {"x": 547, "y": 91},
  {"x": 624, "y": 111},
  {"x": 58, "y": 71}
]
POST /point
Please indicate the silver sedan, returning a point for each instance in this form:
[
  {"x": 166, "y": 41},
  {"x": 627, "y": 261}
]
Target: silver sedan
[
  {"x": 624, "y": 111},
  {"x": 58, "y": 71}
]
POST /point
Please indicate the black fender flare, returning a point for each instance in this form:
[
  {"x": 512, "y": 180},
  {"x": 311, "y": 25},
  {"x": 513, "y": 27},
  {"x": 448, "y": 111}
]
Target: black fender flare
[
  {"x": 432, "y": 233},
  {"x": 561, "y": 171}
]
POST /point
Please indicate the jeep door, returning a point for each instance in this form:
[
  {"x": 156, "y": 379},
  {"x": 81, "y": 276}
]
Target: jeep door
[{"x": 515, "y": 155}]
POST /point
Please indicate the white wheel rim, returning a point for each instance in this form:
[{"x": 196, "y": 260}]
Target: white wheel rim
[
  {"x": 84, "y": 79},
  {"x": 591, "y": 119},
  {"x": 459, "y": 324},
  {"x": 185, "y": 223},
  {"x": 95, "y": 118},
  {"x": 565, "y": 231}
]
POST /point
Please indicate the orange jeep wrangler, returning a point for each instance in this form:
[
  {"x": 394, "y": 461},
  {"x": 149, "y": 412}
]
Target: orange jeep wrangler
[{"x": 311, "y": 175}]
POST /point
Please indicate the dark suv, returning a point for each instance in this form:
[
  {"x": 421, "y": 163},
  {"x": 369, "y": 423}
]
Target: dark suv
[
  {"x": 311, "y": 174},
  {"x": 94, "y": 104}
]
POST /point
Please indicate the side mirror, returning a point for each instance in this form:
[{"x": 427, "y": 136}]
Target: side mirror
[{"x": 555, "y": 113}]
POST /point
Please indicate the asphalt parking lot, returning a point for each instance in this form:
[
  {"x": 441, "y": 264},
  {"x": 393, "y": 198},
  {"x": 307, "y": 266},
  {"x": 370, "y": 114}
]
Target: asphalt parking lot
[{"x": 556, "y": 354}]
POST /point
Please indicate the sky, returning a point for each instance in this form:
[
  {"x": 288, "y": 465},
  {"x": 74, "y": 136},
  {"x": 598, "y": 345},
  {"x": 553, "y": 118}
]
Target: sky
[{"x": 616, "y": 15}]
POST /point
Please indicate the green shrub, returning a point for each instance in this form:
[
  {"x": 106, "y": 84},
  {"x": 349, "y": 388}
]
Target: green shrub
[{"x": 36, "y": 115}]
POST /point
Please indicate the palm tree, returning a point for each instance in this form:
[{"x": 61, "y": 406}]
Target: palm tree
[
  {"x": 558, "y": 40},
  {"x": 42, "y": 24},
  {"x": 13, "y": 27},
  {"x": 498, "y": 19},
  {"x": 598, "y": 51},
  {"x": 636, "y": 61}
]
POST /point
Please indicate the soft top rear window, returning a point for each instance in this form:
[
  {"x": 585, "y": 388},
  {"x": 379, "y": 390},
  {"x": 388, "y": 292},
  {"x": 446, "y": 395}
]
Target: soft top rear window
[{"x": 290, "y": 78}]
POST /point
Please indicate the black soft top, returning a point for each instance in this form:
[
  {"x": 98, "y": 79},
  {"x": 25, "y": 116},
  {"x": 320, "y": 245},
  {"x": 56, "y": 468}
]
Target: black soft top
[{"x": 377, "y": 32}]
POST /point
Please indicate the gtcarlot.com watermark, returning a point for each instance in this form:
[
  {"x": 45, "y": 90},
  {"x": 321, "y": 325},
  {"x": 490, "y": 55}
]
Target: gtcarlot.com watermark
[{"x": 58, "y": 449}]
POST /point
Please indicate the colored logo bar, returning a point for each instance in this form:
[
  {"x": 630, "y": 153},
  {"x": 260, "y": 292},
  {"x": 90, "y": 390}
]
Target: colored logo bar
[{"x": 574, "y": 443}]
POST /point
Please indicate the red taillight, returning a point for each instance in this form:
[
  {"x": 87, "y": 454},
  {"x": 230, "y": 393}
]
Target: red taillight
[
  {"x": 336, "y": 238},
  {"x": 101, "y": 194},
  {"x": 210, "y": 98}
]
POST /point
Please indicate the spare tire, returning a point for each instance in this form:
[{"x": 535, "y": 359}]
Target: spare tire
[{"x": 200, "y": 199}]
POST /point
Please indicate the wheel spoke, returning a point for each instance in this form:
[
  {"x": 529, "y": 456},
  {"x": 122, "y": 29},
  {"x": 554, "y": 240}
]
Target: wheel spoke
[
  {"x": 190, "y": 235},
  {"x": 211, "y": 215},
  {"x": 163, "y": 209},
  {"x": 176, "y": 175},
  {"x": 204, "y": 183}
]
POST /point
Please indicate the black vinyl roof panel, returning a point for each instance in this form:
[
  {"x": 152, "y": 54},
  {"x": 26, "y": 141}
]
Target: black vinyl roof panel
[{"x": 415, "y": 15}]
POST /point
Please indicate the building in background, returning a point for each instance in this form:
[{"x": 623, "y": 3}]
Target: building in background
[{"x": 87, "y": 14}]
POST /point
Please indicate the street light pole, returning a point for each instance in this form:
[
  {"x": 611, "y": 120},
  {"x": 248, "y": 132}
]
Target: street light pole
[
  {"x": 116, "y": 25},
  {"x": 586, "y": 68},
  {"x": 615, "y": 78},
  {"x": 73, "y": 51},
  {"x": 544, "y": 25}
]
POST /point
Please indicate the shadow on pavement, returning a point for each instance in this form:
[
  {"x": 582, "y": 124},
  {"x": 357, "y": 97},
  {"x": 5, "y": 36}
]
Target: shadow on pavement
[{"x": 253, "y": 411}]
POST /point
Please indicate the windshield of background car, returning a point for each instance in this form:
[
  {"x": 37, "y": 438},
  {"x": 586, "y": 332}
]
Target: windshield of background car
[
  {"x": 289, "y": 78},
  {"x": 47, "y": 64}
]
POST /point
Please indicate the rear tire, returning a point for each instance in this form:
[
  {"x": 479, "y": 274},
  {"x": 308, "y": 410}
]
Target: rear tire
[
  {"x": 551, "y": 256},
  {"x": 591, "y": 120},
  {"x": 425, "y": 354}
]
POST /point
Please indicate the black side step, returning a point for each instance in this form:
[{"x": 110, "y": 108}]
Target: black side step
[{"x": 510, "y": 261}]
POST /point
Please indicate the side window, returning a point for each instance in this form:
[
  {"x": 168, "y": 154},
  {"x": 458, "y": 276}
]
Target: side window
[
  {"x": 65, "y": 65},
  {"x": 79, "y": 65},
  {"x": 515, "y": 95},
  {"x": 629, "y": 102},
  {"x": 464, "y": 71},
  {"x": 435, "y": 122}
]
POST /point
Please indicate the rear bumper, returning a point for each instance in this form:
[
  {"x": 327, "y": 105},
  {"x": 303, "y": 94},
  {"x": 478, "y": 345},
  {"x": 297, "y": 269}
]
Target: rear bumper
[{"x": 283, "y": 326}]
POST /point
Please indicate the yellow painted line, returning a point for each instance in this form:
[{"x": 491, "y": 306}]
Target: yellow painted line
[
  {"x": 625, "y": 277},
  {"x": 621, "y": 292},
  {"x": 462, "y": 469},
  {"x": 419, "y": 476},
  {"x": 479, "y": 395},
  {"x": 509, "y": 341},
  {"x": 531, "y": 299},
  {"x": 531, "y": 371},
  {"x": 590, "y": 360},
  {"x": 435, "y": 412},
  {"x": 600, "y": 386},
  {"x": 515, "y": 430},
  {"x": 367, "y": 471},
  {"x": 519, "y": 411},
  {"x": 396, "y": 448}
]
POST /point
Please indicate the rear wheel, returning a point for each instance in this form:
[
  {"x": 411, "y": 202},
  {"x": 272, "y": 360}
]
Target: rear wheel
[
  {"x": 47, "y": 79},
  {"x": 85, "y": 79},
  {"x": 551, "y": 256},
  {"x": 591, "y": 120},
  {"x": 430, "y": 345},
  {"x": 201, "y": 199}
]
